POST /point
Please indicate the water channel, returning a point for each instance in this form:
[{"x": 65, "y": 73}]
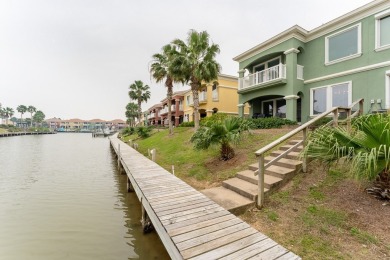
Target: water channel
[{"x": 61, "y": 197}]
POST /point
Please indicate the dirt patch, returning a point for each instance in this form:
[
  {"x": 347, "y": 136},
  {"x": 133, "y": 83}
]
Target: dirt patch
[{"x": 323, "y": 216}]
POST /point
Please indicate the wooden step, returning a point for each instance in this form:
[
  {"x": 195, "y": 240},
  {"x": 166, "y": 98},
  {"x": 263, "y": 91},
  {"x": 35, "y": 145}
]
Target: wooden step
[
  {"x": 291, "y": 155},
  {"x": 242, "y": 187},
  {"x": 270, "y": 182},
  {"x": 284, "y": 162},
  {"x": 295, "y": 141},
  {"x": 276, "y": 171}
]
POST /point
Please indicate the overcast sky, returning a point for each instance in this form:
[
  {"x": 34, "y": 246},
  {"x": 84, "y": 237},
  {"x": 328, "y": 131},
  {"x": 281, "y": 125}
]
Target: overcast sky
[{"x": 77, "y": 58}]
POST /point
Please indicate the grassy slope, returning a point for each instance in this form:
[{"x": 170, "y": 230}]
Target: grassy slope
[{"x": 319, "y": 215}]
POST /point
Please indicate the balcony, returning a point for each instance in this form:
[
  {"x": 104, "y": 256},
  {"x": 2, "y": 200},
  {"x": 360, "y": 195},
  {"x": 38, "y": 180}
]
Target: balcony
[
  {"x": 215, "y": 95},
  {"x": 203, "y": 97},
  {"x": 267, "y": 77}
]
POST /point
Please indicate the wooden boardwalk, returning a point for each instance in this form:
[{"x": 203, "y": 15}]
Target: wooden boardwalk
[{"x": 190, "y": 225}]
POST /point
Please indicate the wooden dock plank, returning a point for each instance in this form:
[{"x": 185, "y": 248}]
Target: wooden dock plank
[
  {"x": 213, "y": 244},
  {"x": 209, "y": 237},
  {"x": 225, "y": 251},
  {"x": 252, "y": 248},
  {"x": 271, "y": 253},
  {"x": 200, "y": 225},
  {"x": 189, "y": 224}
]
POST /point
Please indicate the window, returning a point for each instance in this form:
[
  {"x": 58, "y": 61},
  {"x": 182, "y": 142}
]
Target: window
[
  {"x": 382, "y": 29},
  {"x": 324, "y": 98},
  {"x": 343, "y": 45},
  {"x": 274, "y": 108},
  {"x": 215, "y": 92}
]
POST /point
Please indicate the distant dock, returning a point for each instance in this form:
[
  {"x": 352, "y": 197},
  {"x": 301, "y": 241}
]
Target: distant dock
[{"x": 26, "y": 133}]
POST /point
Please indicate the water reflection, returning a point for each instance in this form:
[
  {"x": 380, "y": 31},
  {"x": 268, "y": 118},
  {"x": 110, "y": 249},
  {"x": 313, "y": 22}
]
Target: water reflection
[{"x": 62, "y": 198}]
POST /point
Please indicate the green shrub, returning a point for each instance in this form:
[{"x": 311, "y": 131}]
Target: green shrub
[
  {"x": 270, "y": 122},
  {"x": 219, "y": 117},
  {"x": 143, "y": 131},
  {"x": 128, "y": 131},
  {"x": 187, "y": 124}
]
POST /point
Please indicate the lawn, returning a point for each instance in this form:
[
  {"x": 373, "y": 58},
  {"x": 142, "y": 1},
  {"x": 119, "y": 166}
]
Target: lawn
[{"x": 321, "y": 214}]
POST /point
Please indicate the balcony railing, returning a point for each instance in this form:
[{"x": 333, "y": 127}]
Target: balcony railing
[{"x": 264, "y": 76}]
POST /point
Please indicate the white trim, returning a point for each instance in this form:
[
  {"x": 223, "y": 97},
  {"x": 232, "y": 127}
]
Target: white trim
[
  {"x": 265, "y": 63},
  {"x": 359, "y": 44},
  {"x": 348, "y": 72},
  {"x": 378, "y": 17},
  {"x": 241, "y": 105},
  {"x": 329, "y": 99},
  {"x": 292, "y": 50},
  {"x": 291, "y": 97},
  {"x": 387, "y": 89}
]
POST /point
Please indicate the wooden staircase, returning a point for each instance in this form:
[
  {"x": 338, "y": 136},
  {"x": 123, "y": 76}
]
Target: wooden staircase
[{"x": 244, "y": 185}]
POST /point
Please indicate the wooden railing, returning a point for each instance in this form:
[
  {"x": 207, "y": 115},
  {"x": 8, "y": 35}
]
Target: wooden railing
[{"x": 304, "y": 129}]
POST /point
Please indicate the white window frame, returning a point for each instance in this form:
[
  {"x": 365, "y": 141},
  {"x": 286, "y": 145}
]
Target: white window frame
[
  {"x": 378, "y": 17},
  {"x": 329, "y": 94},
  {"x": 273, "y": 104},
  {"x": 266, "y": 62},
  {"x": 387, "y": 89},
  {"x": 359, "y": 47}
]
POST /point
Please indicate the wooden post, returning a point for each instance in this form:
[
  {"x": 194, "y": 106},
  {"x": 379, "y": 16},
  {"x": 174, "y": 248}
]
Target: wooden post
[
  {"x": 119, "y": 155},
  {"x": 260, "y": 196},
  {"x": 361, "y": 107},
  {"x": 348, "y": 120},
  {"x": 153, "y": 155},
  {"x": 304, "y": 159},
  {"x": 135, "y": 146},
  {"x": 147, "y": 225},
  {"x": 173, "y": 169},
  {"x": 335, "y": 117},
  {"x": 130, "y": 187}
]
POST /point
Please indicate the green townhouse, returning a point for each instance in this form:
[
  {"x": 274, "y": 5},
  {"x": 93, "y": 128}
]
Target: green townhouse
[{"x": 298, "y": 74}]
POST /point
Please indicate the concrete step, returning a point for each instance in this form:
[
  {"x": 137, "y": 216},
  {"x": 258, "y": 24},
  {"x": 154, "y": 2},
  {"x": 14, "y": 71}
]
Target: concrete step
[
  {"x": 270, "y": 182},
  {"x": 283, "y": 162},
  {"x": 288, "y": 146},
  {"x": 276, "y": 171},
  {"x": 295, "y": 141},
  {"x": 244, "y": 188},
  {"x": 291, "y": 155},
  {"x": 229, "y": 199}
]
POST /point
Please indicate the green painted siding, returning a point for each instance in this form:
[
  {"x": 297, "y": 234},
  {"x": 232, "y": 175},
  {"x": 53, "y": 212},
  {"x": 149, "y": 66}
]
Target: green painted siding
[{"x": 367, "y": 84}]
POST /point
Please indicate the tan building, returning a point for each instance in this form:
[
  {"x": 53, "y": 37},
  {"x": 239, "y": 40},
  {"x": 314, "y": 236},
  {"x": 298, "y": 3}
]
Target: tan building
[{"x": 214, "y": 98}]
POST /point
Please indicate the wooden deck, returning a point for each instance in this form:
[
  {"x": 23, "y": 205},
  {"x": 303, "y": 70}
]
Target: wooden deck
[{"x": 190, "y": 225}]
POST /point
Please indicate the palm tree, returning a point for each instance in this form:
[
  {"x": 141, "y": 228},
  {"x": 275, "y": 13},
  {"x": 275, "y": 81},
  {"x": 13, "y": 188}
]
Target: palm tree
[
  {"x": 140, "y": 93},
  {"x": 221, "y": 132},
  {"x": 161, "y": 70},
  {"x": 9, "y": 112},
  {"x": 2, "y": 114},
  {"x": 21, "y": 109},
  {"x": 31, "y": 110},
  {"x": 195, "y": 64},
  {"x": 365, "y": 149},
  {"x": 131, "y": 113}
]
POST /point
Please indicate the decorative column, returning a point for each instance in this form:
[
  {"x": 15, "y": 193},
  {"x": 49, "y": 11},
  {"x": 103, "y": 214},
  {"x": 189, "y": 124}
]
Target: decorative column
[
  {"x": 291, "y": 107},
  {"x": 241, "y": 74},
  {"x": 241, "y": 110}
]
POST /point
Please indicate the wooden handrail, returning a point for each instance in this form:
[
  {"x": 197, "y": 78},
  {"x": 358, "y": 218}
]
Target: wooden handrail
[{"x": 260, "y": 153}]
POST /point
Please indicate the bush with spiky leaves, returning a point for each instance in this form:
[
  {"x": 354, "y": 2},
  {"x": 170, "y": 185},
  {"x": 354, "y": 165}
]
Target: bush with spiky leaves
[
  {"x": 365, "y": 148},
  {"x": 221, "y": 133}
]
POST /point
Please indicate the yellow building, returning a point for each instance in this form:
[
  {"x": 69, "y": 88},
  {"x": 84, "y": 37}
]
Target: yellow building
[{"x": 214, "y": 98}]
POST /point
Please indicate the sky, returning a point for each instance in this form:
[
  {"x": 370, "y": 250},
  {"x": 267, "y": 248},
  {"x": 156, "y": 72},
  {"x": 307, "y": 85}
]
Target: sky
[{"x": 77, "y": 58}]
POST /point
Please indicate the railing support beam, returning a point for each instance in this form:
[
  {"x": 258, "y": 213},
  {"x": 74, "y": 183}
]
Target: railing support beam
[{"x": 260, "y": 195}]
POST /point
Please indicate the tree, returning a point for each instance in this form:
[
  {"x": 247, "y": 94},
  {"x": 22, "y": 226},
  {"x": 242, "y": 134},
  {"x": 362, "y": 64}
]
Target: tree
[
  {"x": 365, "y": 150},
  {"x": 39, "y": 116},
  {"x": 195, "y": 63},
  {"x": 221, "y": 132},
  {"x": 9, "y": 112},
  {"x": 131, "y": 113},
  {"x": 2, "y": 114},
  {"x": 140, "y": 93},
  {"x": 161, "y": 70},
  {"x": 31, "y": 110},
  {"x": 21, "y": 109}
]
